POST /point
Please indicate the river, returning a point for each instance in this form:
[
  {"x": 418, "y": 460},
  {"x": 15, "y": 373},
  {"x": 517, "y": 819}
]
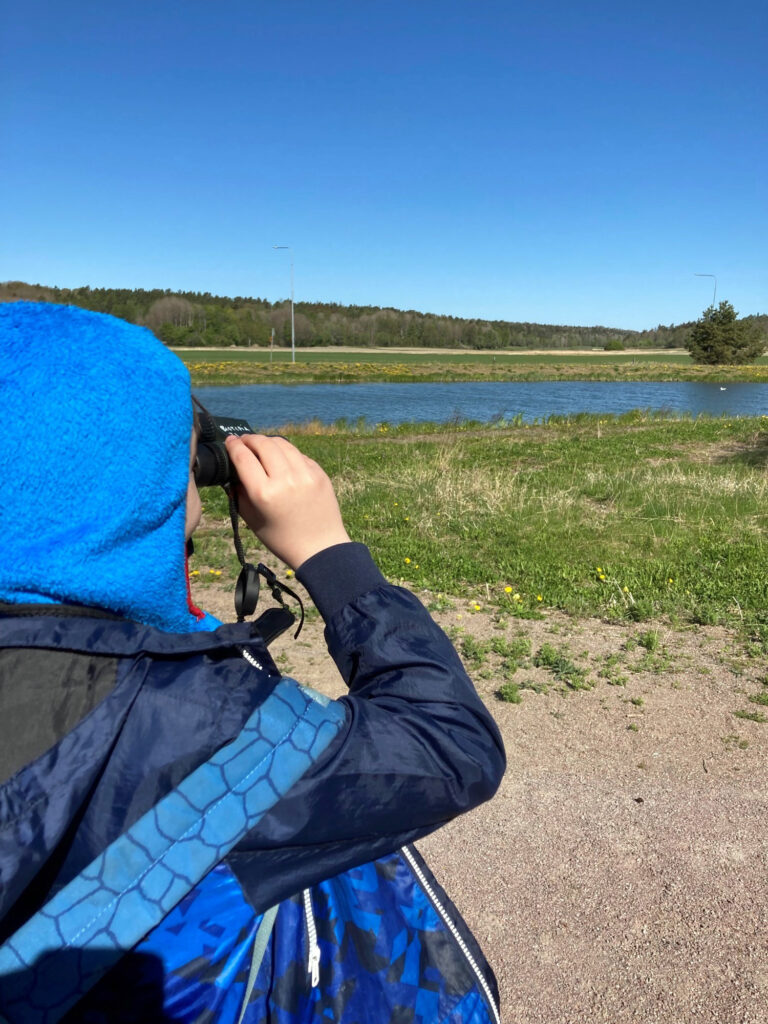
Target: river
[{"x": 269, "y": 405}]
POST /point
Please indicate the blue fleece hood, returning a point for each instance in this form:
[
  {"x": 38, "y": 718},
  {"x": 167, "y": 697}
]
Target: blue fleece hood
[{"x": 94, "y": 463}]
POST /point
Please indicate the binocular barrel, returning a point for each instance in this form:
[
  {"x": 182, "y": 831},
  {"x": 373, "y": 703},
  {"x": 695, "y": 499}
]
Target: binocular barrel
[{"x": 213, "y": 467}]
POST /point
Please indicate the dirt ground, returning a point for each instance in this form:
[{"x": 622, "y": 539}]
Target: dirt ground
[{"x": 621, "y": 872}]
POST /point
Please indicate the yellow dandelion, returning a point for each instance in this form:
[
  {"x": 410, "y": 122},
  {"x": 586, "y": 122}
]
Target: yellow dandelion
[
  {"x": 625, "y": 589},
  {"x": 218, "y": 572},
  {"x": 212, "y": 572},
  {"x": 415, "y": 566},
  {"x": 507, "y": 590},
  {"x": 289, "y": 573},
  {"x": 476, "y": 607},
  {"x": 195, "y": 572},
  {"x": 670, "y": 580},
  {"x": 407, "y": 561},
  {"x": 539, "y": 597},
  {"x": 598, "y": 569}
]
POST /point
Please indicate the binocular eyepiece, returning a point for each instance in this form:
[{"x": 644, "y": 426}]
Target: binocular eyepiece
[{"x": 213, "y": 467}]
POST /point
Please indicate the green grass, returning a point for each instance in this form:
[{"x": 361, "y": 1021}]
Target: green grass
[
  {"x": 253, "y": 366},
  {"x": 733, "y": 740},
  {"x": 420, "y": 356},
  {"x": 630, "y": 517},
  {"x": 510, "y": 654},
  {"x": 649, "y": 640},
  {"x": 751, "y": 716},
  {"x": 558, "y": 661},
  {"x": 509, "y": 693}
]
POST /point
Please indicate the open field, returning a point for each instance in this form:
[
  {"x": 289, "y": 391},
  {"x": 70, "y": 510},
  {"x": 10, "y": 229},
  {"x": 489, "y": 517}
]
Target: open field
[
  {"x": 629, "y": 517},
  {"x": 446, "y": 355},
  {"x": 333, "y": 353},
  {"x": 253, "y": 366}
]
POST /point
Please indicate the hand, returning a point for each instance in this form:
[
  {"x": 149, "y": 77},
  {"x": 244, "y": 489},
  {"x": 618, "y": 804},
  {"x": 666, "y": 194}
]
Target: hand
[{"x": 285, "y": 498}]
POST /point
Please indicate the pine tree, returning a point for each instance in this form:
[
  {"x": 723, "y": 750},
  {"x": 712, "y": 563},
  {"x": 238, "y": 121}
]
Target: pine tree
[{"x": 718, "y": 336}]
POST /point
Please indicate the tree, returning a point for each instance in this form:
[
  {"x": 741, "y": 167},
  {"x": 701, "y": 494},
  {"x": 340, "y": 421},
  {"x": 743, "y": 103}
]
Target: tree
[
  {"x": 169, "y": 310},
  {"x": 719, "y": 337}
]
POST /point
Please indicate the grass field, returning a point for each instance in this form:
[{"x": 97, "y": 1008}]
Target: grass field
[
  {"x": 631, "y": 517},
  {"x": 253, "y": 366},
  {"x": 416, "y": 356}
]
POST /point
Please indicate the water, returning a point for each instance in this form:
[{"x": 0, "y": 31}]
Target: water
[{"x": 269, "y": 405}]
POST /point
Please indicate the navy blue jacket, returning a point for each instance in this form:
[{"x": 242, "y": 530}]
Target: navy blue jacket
[{"x": 126, "y": 712}]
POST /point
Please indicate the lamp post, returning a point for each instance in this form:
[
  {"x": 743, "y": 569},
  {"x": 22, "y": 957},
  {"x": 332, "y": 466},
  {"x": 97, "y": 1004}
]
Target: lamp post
[
  {"x": 293, "y": 329},
  {"x": 714, "y": 293}
]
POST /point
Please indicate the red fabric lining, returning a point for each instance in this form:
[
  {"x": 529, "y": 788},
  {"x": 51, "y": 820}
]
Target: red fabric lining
[{"x": 190, "y": 603}]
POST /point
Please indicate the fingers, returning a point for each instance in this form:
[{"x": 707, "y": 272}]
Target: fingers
[
  {"x": 277, "y": 457},
  {"x": 287, "y": 499}
]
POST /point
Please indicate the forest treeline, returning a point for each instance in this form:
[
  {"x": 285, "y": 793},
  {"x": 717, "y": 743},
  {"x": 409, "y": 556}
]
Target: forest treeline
[{"x": 202, "y": 319}]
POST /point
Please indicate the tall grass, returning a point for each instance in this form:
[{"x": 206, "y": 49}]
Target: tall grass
[
  {"x": 250, "y": 367},
  {"x": 631, "y": 516}
]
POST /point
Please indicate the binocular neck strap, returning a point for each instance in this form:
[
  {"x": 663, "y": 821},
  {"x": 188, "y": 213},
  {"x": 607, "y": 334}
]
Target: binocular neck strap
[
  {"x": 247, "y": 591},
  {"x": 234, "y": 516}
]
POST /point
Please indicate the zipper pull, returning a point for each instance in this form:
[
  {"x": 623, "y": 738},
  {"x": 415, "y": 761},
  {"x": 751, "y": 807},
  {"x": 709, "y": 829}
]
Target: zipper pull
[
  {"x": 314, "y": 965},
  {"x": 313, "y": 950}
]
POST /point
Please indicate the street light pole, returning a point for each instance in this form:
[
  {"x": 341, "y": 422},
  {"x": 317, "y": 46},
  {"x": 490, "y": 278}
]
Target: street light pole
[
  {"x": 293, "y": 327},
  {"x": 714, "y": 293}
]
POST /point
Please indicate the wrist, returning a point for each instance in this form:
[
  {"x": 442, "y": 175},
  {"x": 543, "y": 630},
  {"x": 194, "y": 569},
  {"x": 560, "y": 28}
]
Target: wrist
[{"x": 301, "y": 553}]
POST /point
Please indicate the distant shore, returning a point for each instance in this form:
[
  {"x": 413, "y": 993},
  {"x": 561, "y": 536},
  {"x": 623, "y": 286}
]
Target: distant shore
[
  {"x": 426, "y": 352},
  {"x": 237, "y": 366}
]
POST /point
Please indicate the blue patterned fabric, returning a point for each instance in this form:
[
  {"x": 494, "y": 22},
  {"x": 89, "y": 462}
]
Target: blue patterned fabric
[
  {"x": 387, "y": 957},
  {"x": 141, "y": 876}
]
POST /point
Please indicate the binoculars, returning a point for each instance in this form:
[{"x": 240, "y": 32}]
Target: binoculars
[{"x": 213, "y": 467}]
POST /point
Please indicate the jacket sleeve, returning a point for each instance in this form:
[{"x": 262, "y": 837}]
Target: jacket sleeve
[{"x": 418, "y": 746}]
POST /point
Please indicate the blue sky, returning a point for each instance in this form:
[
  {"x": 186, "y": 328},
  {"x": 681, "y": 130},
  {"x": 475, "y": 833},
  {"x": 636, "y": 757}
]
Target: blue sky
[{"x": 562, "y": 162}]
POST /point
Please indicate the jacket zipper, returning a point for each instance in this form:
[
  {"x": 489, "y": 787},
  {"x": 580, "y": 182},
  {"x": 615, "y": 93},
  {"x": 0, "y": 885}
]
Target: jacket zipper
[
  {"x": 453, "y": 930},
  {"x": 250, "y": 659},
  {"x": 313, "y": 950}
]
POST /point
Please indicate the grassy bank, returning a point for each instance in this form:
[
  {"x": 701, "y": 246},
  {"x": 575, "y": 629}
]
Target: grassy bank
[
  {"x": 252, "y": 366},
  {"x": 629, "y": 517}
]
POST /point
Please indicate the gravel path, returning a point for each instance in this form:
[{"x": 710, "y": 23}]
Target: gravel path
[{"x": 620, "y": 874}]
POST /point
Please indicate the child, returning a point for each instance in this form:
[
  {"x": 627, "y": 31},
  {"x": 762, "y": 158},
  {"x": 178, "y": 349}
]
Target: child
[{"x": 184, "y": 834}]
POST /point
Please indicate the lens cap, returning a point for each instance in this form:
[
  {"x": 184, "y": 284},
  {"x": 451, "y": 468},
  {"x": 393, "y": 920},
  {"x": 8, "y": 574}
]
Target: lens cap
[{"x": 246, "y": 592}]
